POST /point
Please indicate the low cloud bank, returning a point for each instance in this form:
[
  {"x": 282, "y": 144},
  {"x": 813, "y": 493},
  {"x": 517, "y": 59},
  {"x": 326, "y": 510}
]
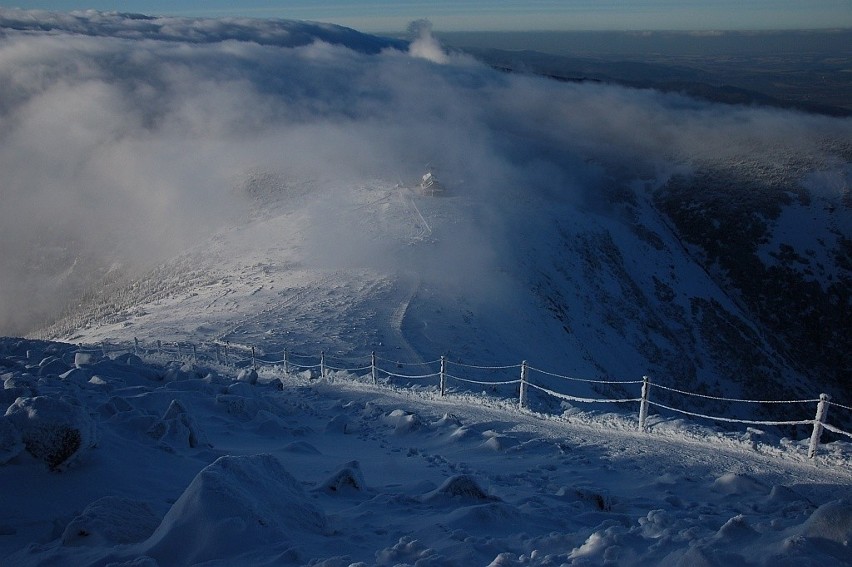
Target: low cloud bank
[{"x": 121, "y": 136}]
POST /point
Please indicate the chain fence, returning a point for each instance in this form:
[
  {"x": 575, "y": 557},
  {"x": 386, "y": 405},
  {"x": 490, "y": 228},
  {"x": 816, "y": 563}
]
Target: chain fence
[{"x": 247, "y": 356}]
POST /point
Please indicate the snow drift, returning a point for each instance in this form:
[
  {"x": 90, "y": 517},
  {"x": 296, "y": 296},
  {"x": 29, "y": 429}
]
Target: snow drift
[
  {"x": 269, "y": 486},
  {"x": 235, "y": 505}
]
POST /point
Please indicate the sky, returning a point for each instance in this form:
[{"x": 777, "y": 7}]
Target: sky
[{"x": 500, "y": 15}]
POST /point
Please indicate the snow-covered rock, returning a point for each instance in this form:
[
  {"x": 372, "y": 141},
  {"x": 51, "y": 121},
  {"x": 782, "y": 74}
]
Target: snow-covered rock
[
  {"x": 248, "y": 375},
  {"x": 831, "y": 522},
  {"x": 177, "y": 428},
  {"x": 109, "y": 521},
  {"x": 83, "y": 359},
  {"x": 233, "y": 505},
  {"x": 52, "y": 429},
  {"x": 348, "y": 478},
  {"x": 11, "y": 442},
  {"x": 459, "y": 488}
]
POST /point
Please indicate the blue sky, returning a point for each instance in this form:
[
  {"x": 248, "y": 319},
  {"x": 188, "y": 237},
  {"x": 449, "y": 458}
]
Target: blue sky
[{"x": 454, "y": 15}]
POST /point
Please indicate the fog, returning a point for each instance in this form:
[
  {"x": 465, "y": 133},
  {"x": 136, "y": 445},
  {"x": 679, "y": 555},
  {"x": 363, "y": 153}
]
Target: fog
[{"x": 121, "y": 137}]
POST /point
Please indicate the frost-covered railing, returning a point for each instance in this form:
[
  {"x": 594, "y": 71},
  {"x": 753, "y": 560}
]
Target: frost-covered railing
[{"x": 236, "y": 355}]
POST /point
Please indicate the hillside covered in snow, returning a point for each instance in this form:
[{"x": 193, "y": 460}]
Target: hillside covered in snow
[
  {"x": 260, "y": 184},
  {"x": 263, "y": 176},
  {"x": 118, "y": 461}
]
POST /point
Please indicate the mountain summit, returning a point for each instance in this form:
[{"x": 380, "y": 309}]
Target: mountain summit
[{"x": 260, "y": 182}]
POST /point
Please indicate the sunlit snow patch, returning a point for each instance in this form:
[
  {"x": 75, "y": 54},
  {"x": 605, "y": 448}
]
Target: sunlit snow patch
[{"x": 233, "y": 506}]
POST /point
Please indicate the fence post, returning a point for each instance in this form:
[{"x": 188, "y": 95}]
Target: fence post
[
  {"x": 322, "y": 364},
  {"x": 253, "y": 360},
  {"x": 443, "y": 376},
  {"x": 218, "y": 356},
  {"x": 194, "y": 354},
  {"x": 286, "y": 366},
  {"x": 159, "y": 347},
  {"x": 643, "y": 404},
  {"x": 373, "y": 370},
  {"x": 522, "y": 398},
  {"x": 227, "y": 356},
  {"x": 103, "y": 349},
  {"x": 180, "y": 350},
  {"x": 822, "y": 410},
  {"x": 135, "y": 346}
]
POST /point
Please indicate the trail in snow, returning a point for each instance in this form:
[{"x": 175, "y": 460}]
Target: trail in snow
[
  {"x": 407, "y": 352},
  {"x": 194, "y": 464}
]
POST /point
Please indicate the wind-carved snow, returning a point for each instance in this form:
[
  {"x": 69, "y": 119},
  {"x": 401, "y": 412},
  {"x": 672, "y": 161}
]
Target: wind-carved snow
[{"x": 302, "y": 471}]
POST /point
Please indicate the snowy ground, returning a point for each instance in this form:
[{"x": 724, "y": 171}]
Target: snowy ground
[
  {"x": 240, "y": 182},
  {"x": 190, "y": 465}
]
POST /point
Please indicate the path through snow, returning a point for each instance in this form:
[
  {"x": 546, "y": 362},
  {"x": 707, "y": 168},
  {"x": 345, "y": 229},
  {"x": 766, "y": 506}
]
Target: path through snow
[{"x": 393, "y": 476}]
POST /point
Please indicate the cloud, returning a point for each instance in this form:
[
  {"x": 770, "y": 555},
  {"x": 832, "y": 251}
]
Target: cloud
[
  {"x": 282, "y": 33},
  {"x": 121, "y": 138},
  {"x": 424, "y": 44}
]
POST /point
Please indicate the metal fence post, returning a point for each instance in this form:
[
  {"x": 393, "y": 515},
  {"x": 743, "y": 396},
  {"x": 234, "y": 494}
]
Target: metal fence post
[
  {"x": 286, "y": 366},
  {"x": 159, "y": 347},
  {"x": 819, "y": 419},
  {"x": 135, "y": 346},
  {"x": 322, "y": 364},
  {"x": 373, "y": 370},
  {"x": 522, "y": 397},
  {"x": 643, "y": 404},
  {"x": 180, "y": 351},
  {"x": 443, "y": 376},
  {"x": 194, "y": 354},
  {"x": 253, "y": 359}
]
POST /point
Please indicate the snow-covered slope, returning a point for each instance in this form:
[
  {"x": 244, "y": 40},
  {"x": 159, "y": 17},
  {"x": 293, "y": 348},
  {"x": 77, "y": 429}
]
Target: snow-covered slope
[
  {"x": 196, "y": 464},
  {"x": 595, "y": 230},
  {"x": 375, "y": 266},
  {"x": 257, "y": 184}
]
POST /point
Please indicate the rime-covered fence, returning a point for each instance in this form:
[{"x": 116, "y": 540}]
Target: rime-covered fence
[{"x": 444, "y": 372}]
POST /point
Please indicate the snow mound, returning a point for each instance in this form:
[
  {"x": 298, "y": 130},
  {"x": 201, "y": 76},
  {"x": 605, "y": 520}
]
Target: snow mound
[
  {"x": 111, "y": 520},
  {"x": 248, "y": 375},
  {"x": 731, "y": 484},
  {"x": 833, "y": 522},
  {"x": 178, "y": 428},
  {"x": 11, "y": 442},
  {"x": 243, "y": 389},
  {"x": 348, "y": 478},
  {"x": 268, "y": 424},
  {"x": 403, "y": 422},
  {"x": 17, "y": 386},
  {"x": 240, "y": 407},
  {"x": 233, "y": 506},
  {"x": 498, "y": 442},
  {"x": 407, "y": 551},
  {"x": 460, "y": 487},
  {"x": 52, "y": 366},
  {"x": 448, "y": 420},
  {"x": 53, "y": 430},
  {"x": 491, "y": 517},
  {"x": 599, "y": 499},
  {"x": 736, "y": 530},
  {"x": 340, "y": 424},
  {"x": 83, "y": 358},
  {"x": 79, "y": 376}
]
